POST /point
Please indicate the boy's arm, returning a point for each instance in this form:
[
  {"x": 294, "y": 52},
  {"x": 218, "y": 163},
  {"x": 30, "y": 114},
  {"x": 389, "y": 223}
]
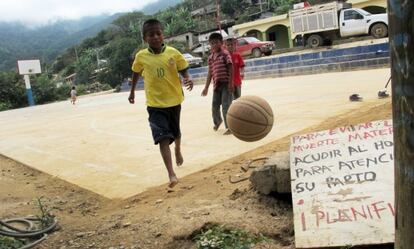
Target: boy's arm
[
  {"x": 135, "y": 78},
  {"x": 188, "y": 83},
  {"x": 231, "y": 77},
  {"x": 242, "y": 65},
  {"x": 242, "y": 72},
  {"x": 205, "y": 90}
]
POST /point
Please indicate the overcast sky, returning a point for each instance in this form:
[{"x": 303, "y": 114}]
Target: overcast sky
[{"x": 41, "y": 11}]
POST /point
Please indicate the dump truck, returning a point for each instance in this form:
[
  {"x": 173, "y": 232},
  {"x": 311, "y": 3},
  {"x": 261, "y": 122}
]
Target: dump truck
[{"x": 321, "y": 24}]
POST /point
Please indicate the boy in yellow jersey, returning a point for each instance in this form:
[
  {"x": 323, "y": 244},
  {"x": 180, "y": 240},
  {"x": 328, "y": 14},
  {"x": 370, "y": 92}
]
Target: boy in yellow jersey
[{"x": 161, "y": 65}]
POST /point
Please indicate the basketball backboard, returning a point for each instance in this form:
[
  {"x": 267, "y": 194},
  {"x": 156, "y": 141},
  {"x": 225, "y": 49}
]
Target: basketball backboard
[{"x": 29, "y": 67}]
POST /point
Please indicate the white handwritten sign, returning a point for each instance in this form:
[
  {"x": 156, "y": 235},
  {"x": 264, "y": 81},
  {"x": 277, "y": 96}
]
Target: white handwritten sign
[{"x": 343, "y": 186}]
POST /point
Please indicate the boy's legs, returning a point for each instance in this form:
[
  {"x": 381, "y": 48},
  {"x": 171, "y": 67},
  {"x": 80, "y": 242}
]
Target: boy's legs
[
  {"x": 165, "y": 127},
  {"x": 178, "y": 156},
  {"x": 217, "y": 98},
  {"x": 226, "y": 99},
  {"x": 175, "y": 113},
  {"x": 237, "y": 92},
  {"x": 166, "y": 157}
]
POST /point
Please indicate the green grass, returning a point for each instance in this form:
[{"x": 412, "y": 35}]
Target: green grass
[
  {"x": 222, "y": 237},
  {"x": 10, "y": 243}
]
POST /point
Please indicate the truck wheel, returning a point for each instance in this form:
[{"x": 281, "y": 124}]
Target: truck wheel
[
  {"x": 256, "y": 52},
  {"x": 379, "y": 30},
  {"x": 314, "y": 41}
]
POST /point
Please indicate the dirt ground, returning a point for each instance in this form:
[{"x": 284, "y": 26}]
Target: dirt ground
[{"x": 158, "y": 218}]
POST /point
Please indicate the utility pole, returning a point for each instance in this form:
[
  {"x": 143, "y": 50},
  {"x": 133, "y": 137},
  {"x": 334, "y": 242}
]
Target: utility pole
[
  {"x": 76, "y": 54},
  {"x": 218, "y": 15},
  {"x": 401, "y": 36}
]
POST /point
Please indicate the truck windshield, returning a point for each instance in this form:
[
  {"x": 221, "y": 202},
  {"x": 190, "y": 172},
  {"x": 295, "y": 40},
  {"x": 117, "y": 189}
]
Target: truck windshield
[
  {"x": 364, "y": 12},
  {"x": 251, "y": 39}
]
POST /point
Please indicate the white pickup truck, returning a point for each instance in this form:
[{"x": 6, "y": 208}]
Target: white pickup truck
[{"x": 320, "y": 24}]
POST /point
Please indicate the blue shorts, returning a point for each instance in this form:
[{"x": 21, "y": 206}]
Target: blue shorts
[{"x": 164, "y": 123}]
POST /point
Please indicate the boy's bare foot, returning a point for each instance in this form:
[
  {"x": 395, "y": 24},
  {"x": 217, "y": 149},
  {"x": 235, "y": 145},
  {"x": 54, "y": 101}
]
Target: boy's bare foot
[
  {"x": 215, "y": 128},
  {"x": 228, "y": 132},
  {"x": 173, "y": 181},
  {"x": 178, "y": 157}
]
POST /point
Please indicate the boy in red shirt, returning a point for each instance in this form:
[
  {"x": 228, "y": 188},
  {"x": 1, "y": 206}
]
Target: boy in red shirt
[{"x": 238, "y": 66}]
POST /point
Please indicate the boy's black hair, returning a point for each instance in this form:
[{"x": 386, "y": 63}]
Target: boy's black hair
[
  {"x": 215, "y": 36},
  {"x": 73, "y": 87},
  {"x": 148, "y": 23},
  {"x": 231, "y": 39}
]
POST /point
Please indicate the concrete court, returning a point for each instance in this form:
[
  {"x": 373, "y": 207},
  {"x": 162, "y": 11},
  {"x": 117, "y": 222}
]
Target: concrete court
[{"x": 104, "y": 144}]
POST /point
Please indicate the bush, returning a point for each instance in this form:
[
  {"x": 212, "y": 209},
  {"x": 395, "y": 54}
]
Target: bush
[
  {"x": 5, "y": 106},
  {"x": 44, "y": 90},
  {"x": 98, "y": 87},
  {"x": 110, "y": 78},
  {"x": 82, "y": 89},
  {"x": 63, "y": 92},
  {"x": 10, "y": 243}
]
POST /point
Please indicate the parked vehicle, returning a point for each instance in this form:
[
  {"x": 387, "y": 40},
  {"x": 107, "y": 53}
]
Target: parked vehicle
[
  {"x": 252, "y": 46},
  {"x": 193, "y": 61},
  {"x": 246, "y": 46},
  {"x": 321, "y": 24},
  {"x": 201, "y": 49}
]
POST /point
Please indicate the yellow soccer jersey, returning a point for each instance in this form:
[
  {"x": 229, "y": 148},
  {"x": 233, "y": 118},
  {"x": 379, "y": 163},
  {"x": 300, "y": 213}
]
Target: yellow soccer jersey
[{"x": 162, "y": 83}]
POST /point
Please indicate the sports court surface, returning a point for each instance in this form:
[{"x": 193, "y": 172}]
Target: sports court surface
[{"x": 104, "y": 144}]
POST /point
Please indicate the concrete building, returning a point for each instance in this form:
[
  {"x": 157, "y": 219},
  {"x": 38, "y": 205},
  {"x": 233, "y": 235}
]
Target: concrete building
[
  {"x": 190, "y": 38},
  {"x": 277, "y": 28}
]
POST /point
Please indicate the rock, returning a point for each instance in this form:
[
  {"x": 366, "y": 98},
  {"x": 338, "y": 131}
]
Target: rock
[
  {"x": 236, "y": 194},
  {"x": 282, "y": 162},
  {"x": 126, "y": 224},
  {"x": 158, "y": 201},
  {"x": 117, "y": 225},
  {"x": 264, "y": 179},
  {"x": 80, "y": 234},
  {"x": 274, "y": 175},
  {"x": 135, "y": 200}
]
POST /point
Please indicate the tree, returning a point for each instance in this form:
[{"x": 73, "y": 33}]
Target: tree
[
  {"x": 130, "y": 24},
  {"x": 401, "y": 24},
  {"x": 12, "y": 91},
  {"x": 120, "y": 54},
  {"x": 176, "y": 21},
  {"x": 85, "y": 66},
  {"x": 233, "y": 8}
]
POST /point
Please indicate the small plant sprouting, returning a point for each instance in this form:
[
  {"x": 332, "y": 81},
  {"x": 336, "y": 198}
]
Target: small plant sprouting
[{"x": 45, "y": 217}]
